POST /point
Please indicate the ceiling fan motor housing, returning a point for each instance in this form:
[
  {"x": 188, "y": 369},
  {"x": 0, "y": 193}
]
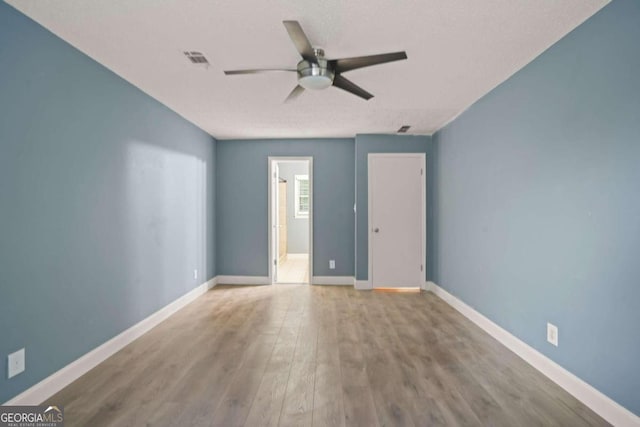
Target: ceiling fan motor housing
[{"x": 312, "y": 75}]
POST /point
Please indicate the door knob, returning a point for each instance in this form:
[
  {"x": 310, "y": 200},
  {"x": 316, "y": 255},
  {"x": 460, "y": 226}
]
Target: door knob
[{"x": 375, "y": 230}]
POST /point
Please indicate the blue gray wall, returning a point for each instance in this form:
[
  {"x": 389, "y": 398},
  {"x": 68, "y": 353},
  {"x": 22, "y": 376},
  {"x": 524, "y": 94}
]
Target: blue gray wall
[
  {"x": 366, "y": 144},
  {"x": 538, "y": 203},
  {"x": 106, "y": 203},
  {"x": 242, "y": 199},
  {"x": 297, "y": 228}
]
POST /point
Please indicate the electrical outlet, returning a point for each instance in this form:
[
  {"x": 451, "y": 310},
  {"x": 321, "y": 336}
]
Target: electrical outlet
[
  {"x": 552, "y": 334},
  {"x": 15, "y": 363},
  {"x": 195, "y": 273},
  {"x": 332, "y": 264}
]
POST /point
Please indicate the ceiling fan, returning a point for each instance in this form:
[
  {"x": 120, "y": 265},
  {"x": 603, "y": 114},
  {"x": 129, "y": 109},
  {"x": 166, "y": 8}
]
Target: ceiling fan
[{"x": 316, "y": 72}]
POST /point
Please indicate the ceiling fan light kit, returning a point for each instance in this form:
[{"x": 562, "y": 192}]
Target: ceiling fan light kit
[{"x": 317, "y": 73}]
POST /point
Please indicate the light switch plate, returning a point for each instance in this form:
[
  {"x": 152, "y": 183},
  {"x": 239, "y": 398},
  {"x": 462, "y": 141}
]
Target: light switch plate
[
  {"x": 15, "y": 363},
  {"x": 332, "y": 264}
]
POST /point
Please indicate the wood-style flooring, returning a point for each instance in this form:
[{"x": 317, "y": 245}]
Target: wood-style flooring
[{"x": 300, "y": 355}]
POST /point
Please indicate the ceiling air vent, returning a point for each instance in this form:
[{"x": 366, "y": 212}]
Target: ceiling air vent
[
  {"x": 197, "y": 58},
  {"x": 404, "y": 129}
]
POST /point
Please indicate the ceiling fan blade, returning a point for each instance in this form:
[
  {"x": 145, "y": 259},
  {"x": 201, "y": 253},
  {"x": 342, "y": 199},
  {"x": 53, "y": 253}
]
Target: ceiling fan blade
[
  {"x": 257, "y": 71},
  {"x": 349, "y": 86},
  {"x": 300, "y": 40},
  {"x": 347, "y": 64},
  {"x": 296, "y": 92}
]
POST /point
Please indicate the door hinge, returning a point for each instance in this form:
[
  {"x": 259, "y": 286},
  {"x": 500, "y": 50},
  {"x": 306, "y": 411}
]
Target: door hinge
[
  {"x": 421, "y": 172},
  {"x": 275, "y": 262},
  {"x": 421, "y": 268}
]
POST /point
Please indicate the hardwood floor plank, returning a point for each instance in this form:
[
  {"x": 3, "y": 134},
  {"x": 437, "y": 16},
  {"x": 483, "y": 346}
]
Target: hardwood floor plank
[
  {"x": 359, "y": 407},
  {"x": 267, "y": 404},
  {"x": 297, "y": 408}
]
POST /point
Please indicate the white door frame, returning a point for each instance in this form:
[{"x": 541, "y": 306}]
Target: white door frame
[
  {"x": 423, "y": 207},
  {"x": 272, "y": 161}
]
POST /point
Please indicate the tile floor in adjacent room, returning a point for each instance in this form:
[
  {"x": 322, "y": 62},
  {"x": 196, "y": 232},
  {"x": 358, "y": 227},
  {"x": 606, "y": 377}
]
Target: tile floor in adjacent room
[{"x": 295, "y": 269}]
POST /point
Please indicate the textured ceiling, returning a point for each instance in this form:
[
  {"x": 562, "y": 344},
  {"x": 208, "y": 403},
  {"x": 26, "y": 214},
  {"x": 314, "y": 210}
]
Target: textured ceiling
[{"x": 458, "y": 51}]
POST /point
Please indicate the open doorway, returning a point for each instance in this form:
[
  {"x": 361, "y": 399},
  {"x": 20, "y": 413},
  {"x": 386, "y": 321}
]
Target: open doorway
[{"x": 290, "y": 219}]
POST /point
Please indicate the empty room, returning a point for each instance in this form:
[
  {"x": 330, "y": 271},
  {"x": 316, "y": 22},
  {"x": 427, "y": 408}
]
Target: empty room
[{"x": 304, "y": 213}]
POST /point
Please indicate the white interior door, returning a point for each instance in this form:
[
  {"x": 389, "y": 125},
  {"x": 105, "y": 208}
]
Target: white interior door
[
  {"x": 275, "y": 231},
  {"x": 396, "y": 218}
]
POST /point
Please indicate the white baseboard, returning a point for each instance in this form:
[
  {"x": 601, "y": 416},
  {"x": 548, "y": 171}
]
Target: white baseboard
[
  {"x": 591, "y": 397},
  {"x": 243, "y": 280},
  {"x": 363, "y": 285},
  {"x": 333, "y": 280},
  {"x": 49, "y": 386}
]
